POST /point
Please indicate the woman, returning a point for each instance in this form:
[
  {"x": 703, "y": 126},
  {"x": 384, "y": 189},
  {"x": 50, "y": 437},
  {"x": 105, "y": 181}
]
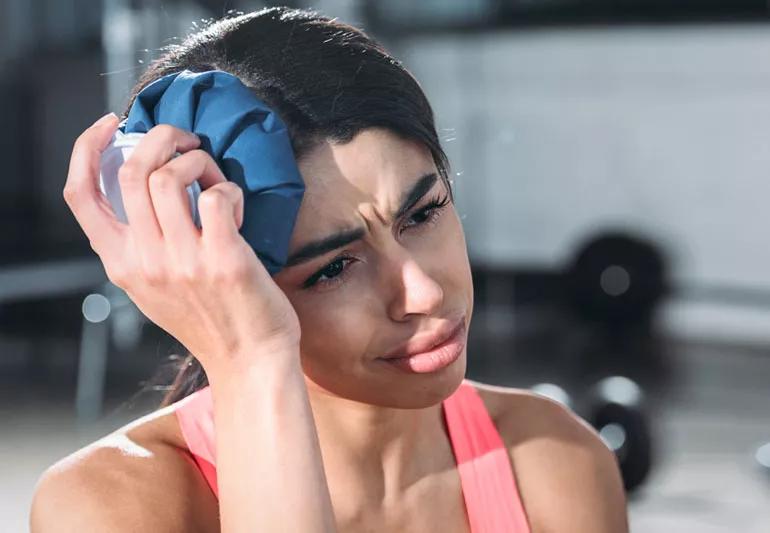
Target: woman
[{"x": 314, "y": 431}]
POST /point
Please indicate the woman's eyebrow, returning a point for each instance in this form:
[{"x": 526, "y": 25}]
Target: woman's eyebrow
[{"x": 318, "y": 247}]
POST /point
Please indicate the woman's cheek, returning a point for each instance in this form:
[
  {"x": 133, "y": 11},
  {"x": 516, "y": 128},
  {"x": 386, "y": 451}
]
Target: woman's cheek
[{"x": 335, "y": 329}]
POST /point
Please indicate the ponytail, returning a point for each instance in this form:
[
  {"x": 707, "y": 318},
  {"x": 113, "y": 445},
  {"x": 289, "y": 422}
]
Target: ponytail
[
  {"x": 190, "y": 377},
  {"x": 177, "y": 378}
]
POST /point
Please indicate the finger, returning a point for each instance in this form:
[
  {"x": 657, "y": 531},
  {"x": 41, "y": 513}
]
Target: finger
[
  {"x": 81, "y": 190},
  {"x": 151, "y": 152},
  {"x": 221, "y": 211},
  {"x": 172, "y": 204}
]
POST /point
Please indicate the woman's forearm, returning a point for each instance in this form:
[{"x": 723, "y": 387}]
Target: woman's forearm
[{"x": 270, "y": 472}]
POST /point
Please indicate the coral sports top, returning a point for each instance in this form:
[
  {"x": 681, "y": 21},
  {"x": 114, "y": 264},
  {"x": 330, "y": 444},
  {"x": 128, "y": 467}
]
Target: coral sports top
[{"x": 488, "y": 484}]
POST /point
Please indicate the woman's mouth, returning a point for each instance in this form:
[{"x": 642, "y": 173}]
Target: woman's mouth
[{"x": 438, "y": 357}]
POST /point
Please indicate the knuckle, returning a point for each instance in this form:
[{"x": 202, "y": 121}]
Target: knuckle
[
  {"x": 212, "y": 198},
  {"x": 128, "y": 173},
  {"x": 189, "y": 273},
  {"x": 70, "y": 195},
  {"x": 199, "y": 156},
  {"x": 118, "y": 276},
  {"x": 230, "y": 272},
  {"x": 94, "y": 247},
  {"x": 233, "y": 188},
  {"x": 154, "y": 274},
  {"x": 162, "y": 178}
]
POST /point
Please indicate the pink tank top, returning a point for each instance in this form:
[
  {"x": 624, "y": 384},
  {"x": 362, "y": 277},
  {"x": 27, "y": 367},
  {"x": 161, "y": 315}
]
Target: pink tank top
[{"x": 488, "y": 483}]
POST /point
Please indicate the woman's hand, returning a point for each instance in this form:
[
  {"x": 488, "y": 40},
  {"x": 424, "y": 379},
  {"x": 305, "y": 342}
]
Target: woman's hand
[{"x": 206, "y": 287}]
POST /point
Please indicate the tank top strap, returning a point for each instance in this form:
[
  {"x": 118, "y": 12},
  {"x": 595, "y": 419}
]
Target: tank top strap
[
  {"x": 489, "y": 487},
  {"x": 488, "y": 484},
  {"x": 195, "y": 414}
]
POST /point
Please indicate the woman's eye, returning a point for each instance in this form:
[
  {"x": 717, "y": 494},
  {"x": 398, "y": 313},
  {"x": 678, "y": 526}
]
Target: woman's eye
[
  {"x": 430, "y": 212},
  {"x": 422, "y": 216},
  {"x": 332, "y": 272},
  {"x": 335, "y": 272}
]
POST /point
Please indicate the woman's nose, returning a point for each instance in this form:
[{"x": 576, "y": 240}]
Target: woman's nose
[{"x": 415, "y": 291}]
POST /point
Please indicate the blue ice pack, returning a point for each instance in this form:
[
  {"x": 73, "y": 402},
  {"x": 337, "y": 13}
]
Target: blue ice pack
[{"x": 245, "y": 137}]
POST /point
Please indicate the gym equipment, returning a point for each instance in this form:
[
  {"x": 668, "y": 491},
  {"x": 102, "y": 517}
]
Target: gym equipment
[
  {"x": 616, "y": 279},
  {"x": 616, "y": 411}
]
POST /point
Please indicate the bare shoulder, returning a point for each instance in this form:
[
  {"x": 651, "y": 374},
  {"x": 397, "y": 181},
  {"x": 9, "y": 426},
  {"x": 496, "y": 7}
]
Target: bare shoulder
[
  {"x": 138, "y": 478},
  {"x": 561, "y": 463}
]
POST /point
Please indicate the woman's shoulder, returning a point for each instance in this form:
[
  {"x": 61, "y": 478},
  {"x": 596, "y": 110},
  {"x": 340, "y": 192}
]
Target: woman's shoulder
[
  {"x": 520, "y": 411},
  {"x": 521, "y": 415},
  {"x": 137, "y": 478},
  {"x": 559, "y": 460}
]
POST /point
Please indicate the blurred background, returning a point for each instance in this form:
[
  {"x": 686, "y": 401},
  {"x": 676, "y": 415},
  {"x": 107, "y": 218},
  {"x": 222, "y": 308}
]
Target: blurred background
[{"x": 610, "y": 167}]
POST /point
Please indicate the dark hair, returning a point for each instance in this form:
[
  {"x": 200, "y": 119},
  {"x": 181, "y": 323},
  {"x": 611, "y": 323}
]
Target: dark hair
[{"x": 326, "y": 80}]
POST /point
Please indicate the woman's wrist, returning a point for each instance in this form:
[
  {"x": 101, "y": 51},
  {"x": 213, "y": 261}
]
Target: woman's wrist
[
  {"x": 269, "y": 464},
  {"x": 257, "y": 361}
]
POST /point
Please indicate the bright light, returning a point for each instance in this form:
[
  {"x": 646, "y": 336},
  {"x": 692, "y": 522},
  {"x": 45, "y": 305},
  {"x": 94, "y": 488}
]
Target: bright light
[
  {"x": 613, "y": 436},
  {"x": 763, "y": 455},
  {"x": 96, "y": 308},
  {"x": 620, "y": 390},
  {"x": 552, "y": 391}
]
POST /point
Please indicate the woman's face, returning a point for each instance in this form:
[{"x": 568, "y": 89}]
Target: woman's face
[{"x": 401, "y": 279}]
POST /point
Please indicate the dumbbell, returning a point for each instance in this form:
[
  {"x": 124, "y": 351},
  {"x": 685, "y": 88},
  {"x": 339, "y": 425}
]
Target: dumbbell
[{"x": 615, "y": 408}]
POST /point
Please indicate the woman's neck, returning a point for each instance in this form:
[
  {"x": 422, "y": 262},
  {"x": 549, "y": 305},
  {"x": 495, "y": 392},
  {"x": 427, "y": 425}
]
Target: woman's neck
[{"x": 379, "y": 451}]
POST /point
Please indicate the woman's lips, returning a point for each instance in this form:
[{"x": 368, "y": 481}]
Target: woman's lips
[
  {"x": 436, "y": 358},
  {"x": 425, "y": 342}
]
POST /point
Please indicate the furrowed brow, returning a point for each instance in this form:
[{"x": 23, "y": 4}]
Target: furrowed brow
[{"x": 338, "y": 240}]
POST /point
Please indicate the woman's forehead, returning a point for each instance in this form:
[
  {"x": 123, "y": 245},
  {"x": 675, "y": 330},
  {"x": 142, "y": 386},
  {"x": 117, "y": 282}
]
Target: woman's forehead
[
  {"x": 347, "y": 186},
  {"x": 370, "y": 174}
]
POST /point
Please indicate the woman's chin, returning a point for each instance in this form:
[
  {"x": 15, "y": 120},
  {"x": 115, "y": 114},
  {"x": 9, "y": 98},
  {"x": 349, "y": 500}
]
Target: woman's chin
[{"x": 418, "y": 390}]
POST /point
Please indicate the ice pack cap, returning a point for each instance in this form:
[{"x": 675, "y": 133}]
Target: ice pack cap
[{"x": 246, "y": 138}]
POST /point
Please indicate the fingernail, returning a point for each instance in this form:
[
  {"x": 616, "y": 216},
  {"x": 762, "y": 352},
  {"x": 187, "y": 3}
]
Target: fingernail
[{"x": 106, "y": 118}]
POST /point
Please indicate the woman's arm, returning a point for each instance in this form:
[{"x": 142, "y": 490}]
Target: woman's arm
[
  {"x": 209, "y": 290},
  {"x": 269, "y": 468}
]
